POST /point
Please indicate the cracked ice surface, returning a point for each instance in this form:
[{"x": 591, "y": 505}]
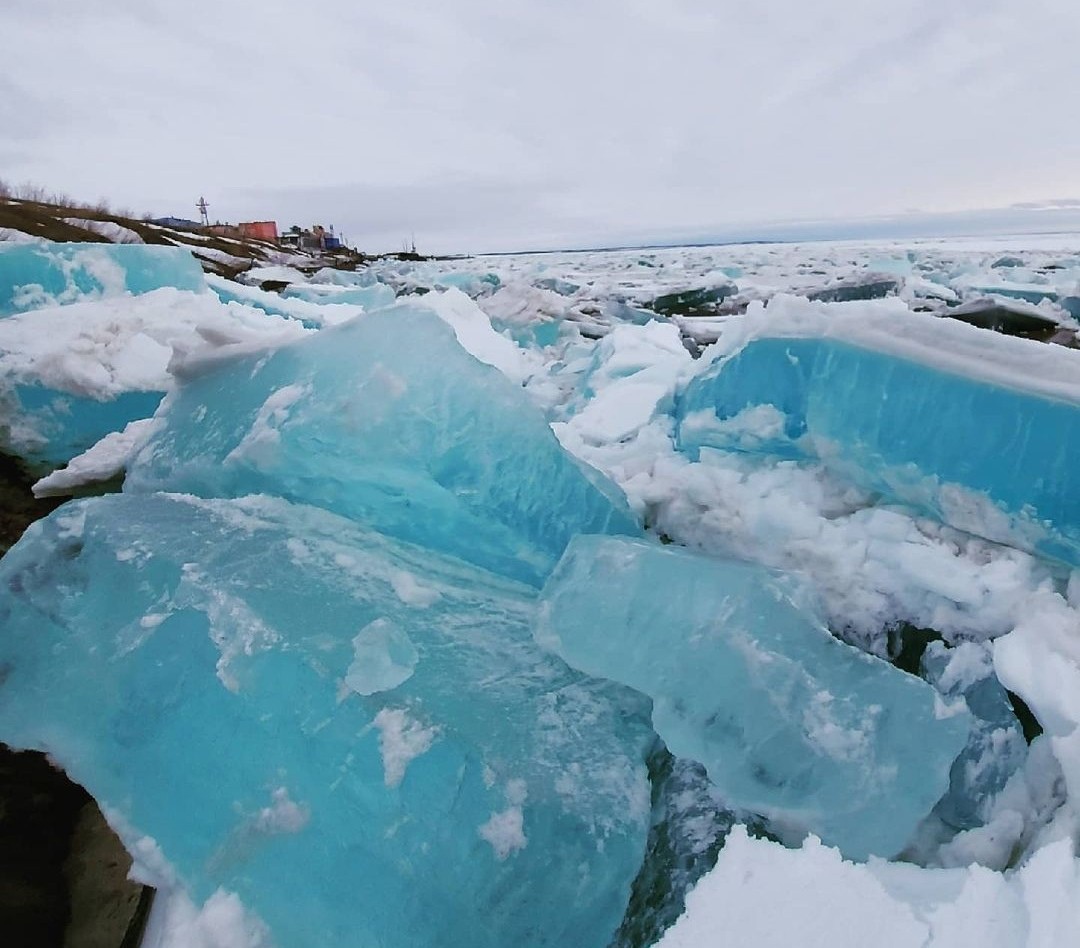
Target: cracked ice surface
[{"x": 216, "y": 641}]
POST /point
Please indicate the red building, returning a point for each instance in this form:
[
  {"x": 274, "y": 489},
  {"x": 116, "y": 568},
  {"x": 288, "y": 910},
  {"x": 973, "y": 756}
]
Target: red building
[{"x": 259, "y": 230}]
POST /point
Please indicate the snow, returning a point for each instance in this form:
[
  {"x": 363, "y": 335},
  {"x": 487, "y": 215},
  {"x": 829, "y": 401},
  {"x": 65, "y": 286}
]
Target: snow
[
  {"x": 98, "y": 350},
  {"x": 17, "y": 236},
  {"x": 220, "y": 922},
  {"x": 110, "y": 230},
  {"x": 69, "y": 375},
  {"x": 309, "y": 314},
  {"x": 106, "y": 459},
  {"x": 221, "y": 257},
  {"x": 401, "y": 740},
  {"x": 505, "y": 830},
  {"x": 763, "y": 895},
  {"x": 872, "y": 566},
  {"x": 475, "y": 334},
  {"x": 175, "y": 920}
]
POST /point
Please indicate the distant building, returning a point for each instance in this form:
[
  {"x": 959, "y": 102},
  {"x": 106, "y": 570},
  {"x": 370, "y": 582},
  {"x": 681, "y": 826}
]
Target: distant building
[
  {"x": 317, "y": 239},
  {"x": 176, "y": 223},
  {"x": 259, "y": 230},
  {"x": 314, "y": 239}
]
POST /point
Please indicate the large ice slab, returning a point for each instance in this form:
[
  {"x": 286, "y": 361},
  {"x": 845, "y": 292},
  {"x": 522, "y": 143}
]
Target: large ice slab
[
  {"x": 979, "y": 430},
  {"x": 33, "y": 275},
  {"x": 387, "y": 420},
  {"x": 356, "y": 736},
  {"x": 47, "y": 427},
  {"x": 788, "y": 721}
]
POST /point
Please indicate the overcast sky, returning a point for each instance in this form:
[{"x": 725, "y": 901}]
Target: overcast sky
[{"x": 504, "y": 124}]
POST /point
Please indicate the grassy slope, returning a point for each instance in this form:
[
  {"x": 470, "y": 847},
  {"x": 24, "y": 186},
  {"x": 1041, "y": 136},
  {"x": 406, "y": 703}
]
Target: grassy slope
[{"x": 40, "y": 219}]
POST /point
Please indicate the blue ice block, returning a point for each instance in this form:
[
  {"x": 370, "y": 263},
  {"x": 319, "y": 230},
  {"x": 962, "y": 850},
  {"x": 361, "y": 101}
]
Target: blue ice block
[
  {"x": 211, "y": 672},
  {"x": 47, "y": 427},
  {"x": 788, "y": 721},
  {"x": 39, "y": 274},
  {"x": 387, "y": 420},
  {"x": 915, "y": 433}
]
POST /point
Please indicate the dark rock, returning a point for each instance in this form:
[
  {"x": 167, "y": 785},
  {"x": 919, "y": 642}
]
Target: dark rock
[
  {"x": 107, "y": 909},
  {"x": 689, "y": 828},
  {"x": 38, "y": 811},
  {"x": 273, "y": 286},
  {"x": 18, "y": 507},
  {"x": 703, "y": 301},
  {"x": 1028, "y": 722},
  {"x": 849, "y": 292},
  {"x": 63, "y": 872},
  {"x": 1069, "y": 338},
  {"x": 990, "y": 314},
  {"x": 906, "y": 645}
]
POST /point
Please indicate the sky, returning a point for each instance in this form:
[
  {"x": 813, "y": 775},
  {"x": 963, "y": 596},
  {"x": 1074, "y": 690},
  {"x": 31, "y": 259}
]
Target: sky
[{"x": 488, "y": 125}]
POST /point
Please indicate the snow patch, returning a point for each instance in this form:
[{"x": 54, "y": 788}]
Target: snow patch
[
  {"x": 505, "y": 830},
  {"x": 401, "y": 740}
]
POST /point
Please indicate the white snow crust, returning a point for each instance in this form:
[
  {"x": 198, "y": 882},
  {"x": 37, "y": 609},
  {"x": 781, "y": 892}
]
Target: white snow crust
[
  {"x": 763, "y": 895},
  {"x": 110, "y": 230},
  {"x": 101, "y": 348},
  {"x": 101, "y": 462}
]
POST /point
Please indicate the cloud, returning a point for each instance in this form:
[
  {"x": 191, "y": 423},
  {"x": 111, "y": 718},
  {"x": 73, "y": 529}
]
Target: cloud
[
  {"x": 25, "y": 116},
  {"x": 485, "y": 125}
]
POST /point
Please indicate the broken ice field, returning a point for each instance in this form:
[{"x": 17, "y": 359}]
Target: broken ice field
[{"x": 363, "y": 644}]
